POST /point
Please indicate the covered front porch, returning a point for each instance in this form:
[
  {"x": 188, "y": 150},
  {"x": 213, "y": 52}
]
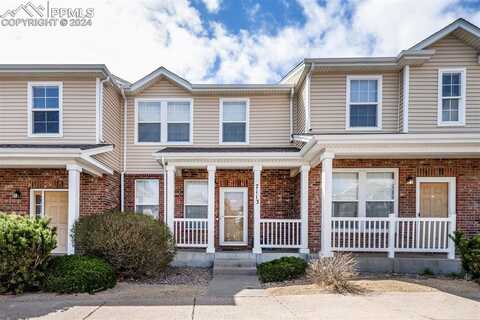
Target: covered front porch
[{"x": 253, "y": 201}]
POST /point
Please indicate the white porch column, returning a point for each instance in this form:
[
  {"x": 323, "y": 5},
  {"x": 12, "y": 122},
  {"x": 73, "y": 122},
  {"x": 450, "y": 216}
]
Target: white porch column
[
  {"x": 304, "y": 170},
  {"x": 73, "y": 203},
  {"x": 327, "y": 194},
  {"x": 211, "y": 208},
  {"x": 257, "y": 173},
  {"x": 170, "y": 196}
]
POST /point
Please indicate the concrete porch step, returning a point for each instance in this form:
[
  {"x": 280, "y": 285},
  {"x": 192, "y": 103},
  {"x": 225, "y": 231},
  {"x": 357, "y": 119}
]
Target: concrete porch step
[
  {"x": 234, "y": 271},
  {"x": 235, "y": 263},
  {"x": 234, "y": 255}
]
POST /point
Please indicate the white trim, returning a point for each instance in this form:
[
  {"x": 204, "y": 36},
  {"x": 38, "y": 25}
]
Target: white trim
[
  {"x": 304, "y": 186},
  {"x": 379, "y": 79},
  {"x": 30, "y": 86},
  {"x": 157, "y": 182},
  {"x": 451, "y": 192},
  {"x": 247, "y": 120},
  {"x": 211, "y": 169},
  {"x": 462, "y": 98},
  {"x": 257, "y": 198},
  {"x": 406, "y": 96},
  {"x": 163, "y": 121},
  {"x": 362, "y": 179},
  {"x": 243, "y": 190},
  {"x": 308, "y": 81}
]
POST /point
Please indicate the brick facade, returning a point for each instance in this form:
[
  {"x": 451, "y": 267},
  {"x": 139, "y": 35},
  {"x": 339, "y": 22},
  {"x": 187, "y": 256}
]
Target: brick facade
[
  {"x": 466, "y": 172},
  {"x": 97, "y": 194}
]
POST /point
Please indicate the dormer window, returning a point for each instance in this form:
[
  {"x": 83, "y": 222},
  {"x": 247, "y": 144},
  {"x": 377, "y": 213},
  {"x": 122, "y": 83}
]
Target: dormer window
[
  {"x": 451, "y": 97},
  {"x": 364, "y": 102},
  {"x": 45, "y": 109}
]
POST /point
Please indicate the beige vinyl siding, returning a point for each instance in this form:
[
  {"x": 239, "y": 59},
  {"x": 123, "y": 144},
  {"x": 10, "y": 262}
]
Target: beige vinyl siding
[
  {"x": 269, "y": 122},
  {"x": 79, "y": 110},
  {"x": 400, "y": 101},
  {"x": 328, "y": 101},
  {"x": 449, "y": 52},
  {"x": 112, "y": 127},
  {"x": 299, "y": 118}
]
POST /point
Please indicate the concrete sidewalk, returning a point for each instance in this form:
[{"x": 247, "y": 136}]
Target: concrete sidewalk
[{"x": 238, "y": 298}]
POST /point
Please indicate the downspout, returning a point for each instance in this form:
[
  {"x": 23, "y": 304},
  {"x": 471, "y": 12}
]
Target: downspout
[
  {"x": 124, "y": 169},
  {"x": 101, "y": 109},
  {"x": 164, "y": 191},
  {"x": 291, "y": 114}
]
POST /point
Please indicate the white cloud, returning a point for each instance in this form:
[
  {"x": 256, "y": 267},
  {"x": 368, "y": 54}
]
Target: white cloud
[
  {"x": 212, "y": 5},
  {"x": 134, "y": 38}
]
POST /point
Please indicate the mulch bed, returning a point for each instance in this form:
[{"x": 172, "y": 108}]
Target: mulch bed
[{"x": 180, "y": 275}]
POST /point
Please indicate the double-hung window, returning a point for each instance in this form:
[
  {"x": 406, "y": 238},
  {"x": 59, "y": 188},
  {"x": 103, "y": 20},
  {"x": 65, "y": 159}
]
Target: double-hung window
[
  {"x": 164, "y": 121},
  {"x": 451, "y": 97},
  {"x": 234, "y": 121},
  {"x": 196, "y": 199},
  {"x": 364, "y": 102},
  {"x": 147, "y": 197},
  {"x": 364, "y": 192},
  {"x": 45, "y": 108}
]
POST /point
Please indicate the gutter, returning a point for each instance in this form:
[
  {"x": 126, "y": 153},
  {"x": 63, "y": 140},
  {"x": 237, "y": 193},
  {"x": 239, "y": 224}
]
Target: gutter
[
  {"x": 124, "y": 166},
  {"x": 100, "y": 137},
  {"x": 291, "y": 115},
  {"x": 164, "y": 190}
]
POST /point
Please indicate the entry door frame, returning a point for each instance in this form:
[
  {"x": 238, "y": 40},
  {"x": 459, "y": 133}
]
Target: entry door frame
[
  {"x": 451, "y": 192},
  {"x": 32, "y": 200},
  {"x": 243, "y": 190}
]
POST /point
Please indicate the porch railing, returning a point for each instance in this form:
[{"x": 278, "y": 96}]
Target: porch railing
[
  {"x": 190, "y": 232},
  {"x": 393, "y": 234},
  {"x": 280, "y": 233}
]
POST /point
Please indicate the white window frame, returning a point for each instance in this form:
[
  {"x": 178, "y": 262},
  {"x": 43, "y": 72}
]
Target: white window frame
[
  {"x": 185, "y": 203},
  {"x": 164, "y": 121},
  {"x": 149, "y": 204},
  {"x": 362, "y": 194},
  {"x": 247, "y": 120},
  {"x": 452, "y": 182},
  {"x": 30, "y": 86},
  {"x": 462, "y": 100},
  {"x": 379, "y": 79}
]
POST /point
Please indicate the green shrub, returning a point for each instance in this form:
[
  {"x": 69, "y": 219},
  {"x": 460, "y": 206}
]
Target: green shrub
[
  {"x": 75, "y": 274},
  {"x": 135, "y": 245},
  {"x": 25, "y": 246},
  {"x": 286, "y": 268},
  {"x": 469, "y": 250}
]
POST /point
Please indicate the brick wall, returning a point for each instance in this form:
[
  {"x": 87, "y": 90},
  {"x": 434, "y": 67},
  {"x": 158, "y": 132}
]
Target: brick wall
[
  {"x": 466, "y": 171},
  {"x": 97, "y": 194}
]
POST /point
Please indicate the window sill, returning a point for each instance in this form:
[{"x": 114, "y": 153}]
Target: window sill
[
  {"x": 162, "y": 143},
  {"x": 451, "y": 124},
  {"x": 46, "y": 135},
  {"x": 363, "y": 128}
]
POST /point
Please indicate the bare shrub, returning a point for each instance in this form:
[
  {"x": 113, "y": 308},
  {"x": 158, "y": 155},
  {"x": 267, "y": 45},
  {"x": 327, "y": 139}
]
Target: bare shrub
[{"x": 334, "y": 272}]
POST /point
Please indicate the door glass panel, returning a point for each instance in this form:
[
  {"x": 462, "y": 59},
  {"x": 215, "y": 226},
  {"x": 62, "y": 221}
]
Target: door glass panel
[
  {"x": 233, "y": 216},
  {"x": 434, "y": 199}
]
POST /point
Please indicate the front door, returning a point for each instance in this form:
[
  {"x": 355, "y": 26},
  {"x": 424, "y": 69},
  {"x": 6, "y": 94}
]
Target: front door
[
  {"x": 54, "y": 206},
  {"x": 233, "y": 216}
]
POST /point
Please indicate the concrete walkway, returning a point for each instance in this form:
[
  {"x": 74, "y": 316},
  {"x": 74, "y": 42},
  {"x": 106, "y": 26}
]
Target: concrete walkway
[{"x": 228, "y": 298}]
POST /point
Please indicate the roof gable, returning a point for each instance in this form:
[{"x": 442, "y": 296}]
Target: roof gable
[{"x": 461, "y": 28}]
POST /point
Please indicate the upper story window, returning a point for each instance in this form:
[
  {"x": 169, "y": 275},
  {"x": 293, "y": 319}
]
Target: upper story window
[
  {"x": 234, "y": 121},
  {"x": 147, "y": 197},
  {"x": 364, "y": 192},
  {"x": 364, "y": 102},
  {"x": 163, "y": 121},
  {"x": 451, "y": 97},
  {"x": 196, "y": 199},
  {"x": 45, "y": 109}
]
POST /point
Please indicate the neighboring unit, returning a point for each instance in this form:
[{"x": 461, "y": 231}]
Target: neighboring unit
[{"x": 344, "y": 154}]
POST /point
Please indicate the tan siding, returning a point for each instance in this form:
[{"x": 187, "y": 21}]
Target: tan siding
[
  {"x": 269, "y": 122},
  {"x": 299, "y": 123},
  {"x": 450, "y": 52},
  {"x": 400, "y": 101},
  {"x": 112, "y": 127},
  {"x": 78, "y": 111},
  {"x": 328, "y": 101}
]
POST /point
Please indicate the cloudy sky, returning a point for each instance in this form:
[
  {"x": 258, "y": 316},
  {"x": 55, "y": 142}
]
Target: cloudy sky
[{"x": 228, "y": 41}]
